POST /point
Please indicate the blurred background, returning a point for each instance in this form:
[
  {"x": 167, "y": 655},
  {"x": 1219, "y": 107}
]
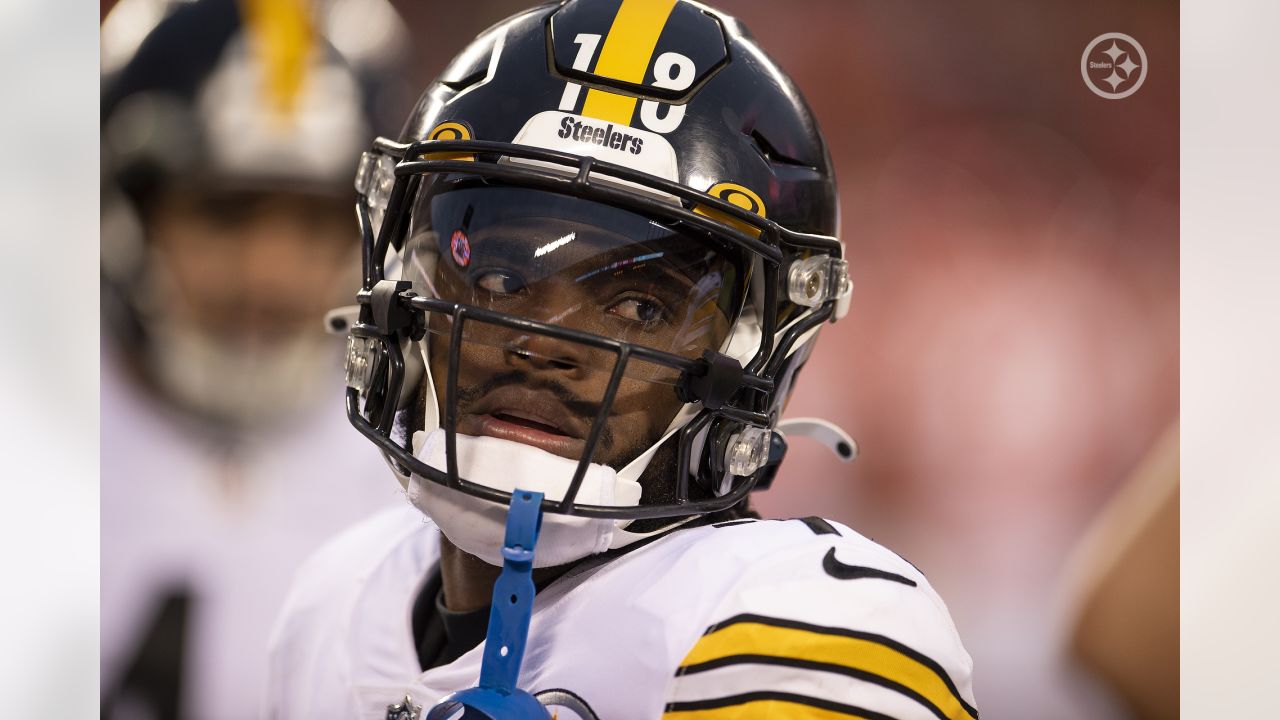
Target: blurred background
[{"x": 1010, "y": 365}]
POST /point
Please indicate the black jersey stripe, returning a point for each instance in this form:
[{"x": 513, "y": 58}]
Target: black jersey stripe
[
  {"x": 819, "y": 526},
  {"x": 870, "y": 677},
  {"x": 888, "y": 642},
  {"x": 746, "y": 698}
]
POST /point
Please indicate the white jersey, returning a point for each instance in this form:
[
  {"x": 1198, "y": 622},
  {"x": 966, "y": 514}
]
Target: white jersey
[
  {"x": 198, "y": 548},
  {"x": 749, "y": 619}
]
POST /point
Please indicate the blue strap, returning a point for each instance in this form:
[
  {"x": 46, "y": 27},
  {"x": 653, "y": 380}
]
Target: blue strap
[
  {"x": 512, "y": 595},
  {"x": 497, "y": 696}
]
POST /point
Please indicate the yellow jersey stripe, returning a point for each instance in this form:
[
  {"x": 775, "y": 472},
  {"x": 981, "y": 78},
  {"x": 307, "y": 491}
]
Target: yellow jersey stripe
[
  {"x": 770, "y": 709},
  {"x": 625, "y": 56},
  {"x": 862, "y": 655}
]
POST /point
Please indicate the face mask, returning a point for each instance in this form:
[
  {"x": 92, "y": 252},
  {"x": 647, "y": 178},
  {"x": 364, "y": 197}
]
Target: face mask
[{"x": 477, "y": 526}]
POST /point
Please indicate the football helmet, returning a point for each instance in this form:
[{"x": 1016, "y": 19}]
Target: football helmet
[
  {"x": 627, "y": 191},
  {"x": 211, "y": 115}
]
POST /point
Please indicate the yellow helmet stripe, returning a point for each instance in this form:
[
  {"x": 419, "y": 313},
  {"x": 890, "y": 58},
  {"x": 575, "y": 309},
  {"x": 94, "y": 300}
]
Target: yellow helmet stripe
[
  {"x": 282, "y": 39},
  {"x": 625, "y": 56}
]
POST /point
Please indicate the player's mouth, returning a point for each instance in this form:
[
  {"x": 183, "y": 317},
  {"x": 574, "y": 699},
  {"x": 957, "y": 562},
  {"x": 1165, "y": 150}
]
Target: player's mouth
[{"x": 531, "y": 418}]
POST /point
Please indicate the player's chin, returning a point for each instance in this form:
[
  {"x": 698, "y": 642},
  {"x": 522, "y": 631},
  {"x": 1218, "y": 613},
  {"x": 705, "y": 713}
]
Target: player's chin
[{"x": 503, "y": 428}]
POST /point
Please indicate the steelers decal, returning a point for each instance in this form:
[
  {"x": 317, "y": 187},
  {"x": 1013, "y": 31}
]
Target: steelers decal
[
  {"x": 639, "y": 61},
  {"x": 735, "y": 194},
  {"x": 450, "y": 131}
]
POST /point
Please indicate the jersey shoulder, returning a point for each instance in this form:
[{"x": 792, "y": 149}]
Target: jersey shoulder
[
  {"x": 353, "y": 555},
  {"x": 822, "y": 619}
]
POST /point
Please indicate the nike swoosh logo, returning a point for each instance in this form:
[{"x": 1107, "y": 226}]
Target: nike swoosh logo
[{"x": 841, "y": 571}]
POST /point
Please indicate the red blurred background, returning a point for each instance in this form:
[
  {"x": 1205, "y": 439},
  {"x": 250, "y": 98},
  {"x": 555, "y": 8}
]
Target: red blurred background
[{"x": 1012, "y": 347}]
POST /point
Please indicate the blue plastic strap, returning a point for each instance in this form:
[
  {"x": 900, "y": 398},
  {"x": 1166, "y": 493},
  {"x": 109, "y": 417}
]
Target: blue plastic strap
[
  {"x": 512, "y": 595},
  {"x": 497, "y": 696}
]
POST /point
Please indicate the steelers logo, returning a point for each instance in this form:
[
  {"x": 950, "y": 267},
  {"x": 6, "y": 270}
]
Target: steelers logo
[{"x": 1114, "y": 66}]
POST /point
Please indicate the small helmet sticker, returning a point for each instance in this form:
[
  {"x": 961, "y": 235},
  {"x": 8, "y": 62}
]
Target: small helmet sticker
[
  {"x": 460, "y": 248},
  {"x": 737, "y": 195},
  {"x": 450, "y": 131}
]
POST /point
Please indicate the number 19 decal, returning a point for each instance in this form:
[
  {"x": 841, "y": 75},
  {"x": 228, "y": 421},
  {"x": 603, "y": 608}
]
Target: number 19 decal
[
  {"x": 587, "y": 44},
  {"x": 672, "y": 71}
]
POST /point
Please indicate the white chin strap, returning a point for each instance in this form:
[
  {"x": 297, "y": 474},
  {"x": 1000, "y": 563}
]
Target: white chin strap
[{"x": 477, "y": 526}]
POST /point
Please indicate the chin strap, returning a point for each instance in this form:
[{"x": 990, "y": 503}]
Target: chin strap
[
  {"x": 827, "y": 433},
  {"x": 623, "y": 537},
  {"x": 497, "y": 697}
]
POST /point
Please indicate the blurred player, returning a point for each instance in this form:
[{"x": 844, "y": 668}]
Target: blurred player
[
  {"x": 228, "y": 134},
  {"x": 594, "y": 265}
]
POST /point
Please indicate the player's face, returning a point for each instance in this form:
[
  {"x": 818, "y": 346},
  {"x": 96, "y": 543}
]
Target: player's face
[
  {"x": 547, "y": 393},
  {"x": 664, "y": 291},
  {"x": 249, "y": 268}
]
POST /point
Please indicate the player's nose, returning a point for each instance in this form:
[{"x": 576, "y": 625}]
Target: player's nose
[
  {"x": 553, "y": 303},
  {"x": 535, "y": 351}
]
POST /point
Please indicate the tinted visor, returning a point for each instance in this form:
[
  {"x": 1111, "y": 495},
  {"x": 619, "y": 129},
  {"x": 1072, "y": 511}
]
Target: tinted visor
[{"x": 573, "y": 263}]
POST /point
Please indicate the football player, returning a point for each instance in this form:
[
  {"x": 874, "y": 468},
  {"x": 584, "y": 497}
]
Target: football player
[
  {"x": 226, "y": 129},
  {"x": 595, "y": 262}
]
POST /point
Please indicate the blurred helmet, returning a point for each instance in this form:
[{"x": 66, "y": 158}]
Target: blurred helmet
[
  {"x": 604, "y": 219},
  {"x": 233, "y": 124}
]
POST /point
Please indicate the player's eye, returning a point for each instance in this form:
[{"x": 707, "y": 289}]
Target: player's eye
[
  {"x": 640, "y": 309},
  {"x": 499, "y": 282}
]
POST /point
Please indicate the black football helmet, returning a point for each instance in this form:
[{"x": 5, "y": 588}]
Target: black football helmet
[
  {"x": 233, "y": 105},
  {"x": 654, "y": 145}
]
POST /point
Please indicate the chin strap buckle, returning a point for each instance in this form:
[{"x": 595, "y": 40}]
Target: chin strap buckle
[{"x": 497, "y": 696}]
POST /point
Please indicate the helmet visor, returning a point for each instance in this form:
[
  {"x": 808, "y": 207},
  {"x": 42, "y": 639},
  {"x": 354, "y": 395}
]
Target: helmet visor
[{"x": 573, "y": 263}]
